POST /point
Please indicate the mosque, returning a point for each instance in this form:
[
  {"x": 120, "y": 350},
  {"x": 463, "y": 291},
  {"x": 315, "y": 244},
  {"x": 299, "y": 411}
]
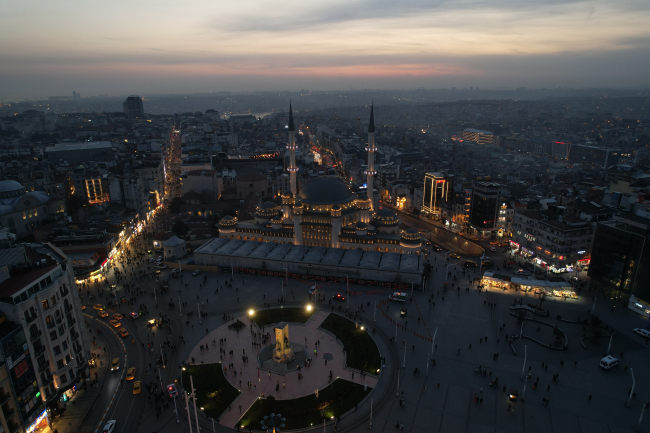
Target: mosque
[{"x": 326, "y": 213}]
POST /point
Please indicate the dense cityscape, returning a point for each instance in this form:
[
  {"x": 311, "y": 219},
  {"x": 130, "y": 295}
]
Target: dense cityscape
[{"x": 119, "y": 226}]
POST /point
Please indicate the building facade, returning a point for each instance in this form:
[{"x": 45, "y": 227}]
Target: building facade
[
  {"x": 42, "y": 298},
  {"x": 558, "y": 246},
  {"x": 22, "y": 211},
  {"x": 438, "y": 189},
  {"x": 485, "y": 204},
  {"x": 133, "y": 107},
  {"x": 478, "y": 136},
  {"x": 620, "y": 260}
]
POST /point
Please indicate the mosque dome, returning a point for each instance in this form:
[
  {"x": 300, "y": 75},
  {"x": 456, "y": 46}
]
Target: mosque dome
[
  {"x": 325, "y": 191},
  {"x": 385, "y": 218},
  {"x": 11, "y": 188}
]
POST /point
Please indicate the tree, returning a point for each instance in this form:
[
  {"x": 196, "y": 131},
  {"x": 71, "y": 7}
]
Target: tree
[
  {"x": 180, "y": 228},
  {"x": 175, "y": 206}
]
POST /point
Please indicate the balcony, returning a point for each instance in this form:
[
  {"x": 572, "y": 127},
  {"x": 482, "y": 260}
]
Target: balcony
[
  {"x": 51, "y": 325},
  {"x": 4, "y": 396},
  {"x": 38, "y": 350},
  {"x": 8, "y": 412},
  {"x": 31, "y": 318},
  {"x": 35, "y": 335},
  {"x": 68, "y": 308},
  {"x": 59, "y": 320},
  {"x": 74, "y": 336},
  {"x": 72, "y": 322},
  {"x": 44, "y": 366}
]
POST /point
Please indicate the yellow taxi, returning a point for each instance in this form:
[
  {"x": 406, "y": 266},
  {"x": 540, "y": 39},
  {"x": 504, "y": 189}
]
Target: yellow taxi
[
  {"x": 115, "y": 323},
  {"x": 115, "y": 364},
  {"x": 118, "y": 316},
  {"x": 83, "y": 307},
  {"x": 137, "y": 387},
  {"x": 454, "y": 255},
  {"x": 130, "y": 373},
  {"x": 102, "y": 313},
  {"x": 99, "y": 307},
  {"x": 123, "y": 332}
]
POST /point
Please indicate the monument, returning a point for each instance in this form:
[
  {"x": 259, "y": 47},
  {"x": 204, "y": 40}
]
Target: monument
[{"x": 283, "y": 351}]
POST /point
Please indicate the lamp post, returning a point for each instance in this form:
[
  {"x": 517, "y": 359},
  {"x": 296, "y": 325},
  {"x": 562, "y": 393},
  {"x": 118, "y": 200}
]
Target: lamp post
[
  {"x": 632, "y": 389},
  {"x": 180, "y": 310},
  {"x": 404, "y": 364},
  {"x": 524, "y": 366},
  {"x": 176, "y": 411},
  {"x": 286, "y": 274},
  {"x": 347, "y": 299},
  {"x": 180, "y": 270},
  {"x": 198, "y": 304},
  {"x": 194, "y": 400}
]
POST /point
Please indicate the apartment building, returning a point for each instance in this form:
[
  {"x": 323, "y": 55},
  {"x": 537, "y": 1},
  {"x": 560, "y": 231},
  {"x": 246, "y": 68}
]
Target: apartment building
[
  {"x": 557, "y": 245},
  {"x": 41, "y": 297}
]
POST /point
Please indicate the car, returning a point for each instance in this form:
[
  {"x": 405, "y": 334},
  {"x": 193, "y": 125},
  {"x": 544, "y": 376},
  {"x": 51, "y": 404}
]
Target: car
[
  {"x": 151, "y": 260},
  {"x": 486, "y": 263},
  {"x": 338, "y": 297},
  {"x": 398, "y": 296},
  {"x": 608, "y": 362},
  {"x": 115, "y": 323},
  {"x": 436, "y": 248},
  {"x": 160, "y": 258},
  {"x": 130, "y": 373},
  {"x": 403, "y": 312},
  {"x": 173, "y": 392},
  {"x": 99, "y": 307},
  {"x": 494, "y": 242},
  {"x": 454, "y": 255},
  {"x": 161, "y": 266},
  {"x": 135, "y": 315},
  {"x": 642, "y": 332},
  {"x": 83, "y": 307},
  {"x": 493, "y": 249},
  {"x": 470, "y": 264},
  {"x": 123, "y": 332},
  {"x": 102, "y": 313},
  {"x": 522, "y": 272},
  {"x": 109, "y": 427},
  {"x": 118, "y": 316},
  {"x": 157, "y": 271},
  {"x": 113, "y": 286},
  {"x": 148, "y": 251},
  {"x": 115, "y": 364},
  {"x": 137, "y": 387},
  {"x": 197, "y": 272},
  {"x": 312, "y": 290},
  {"x": 176, "y": 271}
]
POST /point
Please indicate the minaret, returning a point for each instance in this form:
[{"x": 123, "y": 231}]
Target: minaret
[
  {"x": 292, "y": 152},
  {"x": 370, "y": 173}
]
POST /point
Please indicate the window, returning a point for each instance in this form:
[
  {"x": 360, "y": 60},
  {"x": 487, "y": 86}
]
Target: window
[
  {"x": 53, "y": 299},
  {"x": 68, "y": 358},
  {"x": 60, "y": 364},
  {"x": 53, "y": 335},
  {"x": 57, "y": 350},
  {"x": 64, "y": 378},
  {"x": 65, "y": 345},
  {"x": 46, "y": 305},
  {"x": 61, "y": 330},
  {"x": 24, "y": 216}
]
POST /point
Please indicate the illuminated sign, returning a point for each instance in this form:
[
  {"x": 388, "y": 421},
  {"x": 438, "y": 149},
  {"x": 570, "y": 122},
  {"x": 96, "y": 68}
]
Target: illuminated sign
[{"x": 42, "y": 417}]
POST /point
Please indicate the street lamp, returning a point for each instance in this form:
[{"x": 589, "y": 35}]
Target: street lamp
[
  {"x": 309, "y": 307},
  {"x": 347, "y": 298}
]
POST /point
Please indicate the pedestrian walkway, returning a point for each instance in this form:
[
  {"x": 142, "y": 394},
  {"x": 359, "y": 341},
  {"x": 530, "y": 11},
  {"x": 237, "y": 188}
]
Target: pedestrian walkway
[
  {"x": 76, "y": 416},
  {"x": 281, "y": 387}
]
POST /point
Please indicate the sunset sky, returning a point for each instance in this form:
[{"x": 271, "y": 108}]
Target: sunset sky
[{"x": 119, "y": 47}]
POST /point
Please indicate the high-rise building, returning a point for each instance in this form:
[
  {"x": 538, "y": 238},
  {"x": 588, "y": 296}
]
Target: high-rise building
[
  {"x": 438, "y": 188},
  {"x": 485, "y": 205},
  {"x": 133, "y": 107},
  {"x": 478, "y": 136},
  {"x": 620, "y": 261}
]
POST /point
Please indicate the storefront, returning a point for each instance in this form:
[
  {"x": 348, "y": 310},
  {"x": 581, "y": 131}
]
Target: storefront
[
  {"x": 638, "y": 306},
  {"x": 39, "y": 424},
  {"x": 549, "y": 288}
]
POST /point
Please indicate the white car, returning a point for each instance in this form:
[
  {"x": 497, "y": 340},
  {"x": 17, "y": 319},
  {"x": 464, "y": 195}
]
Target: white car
[
  {"x": 608, "y": 362},
  {"x": 151, "y": 260},
  {"x": 522, "y": 272},
  {"x": 642, "y": 332},
  {"x": 197, "y": 272},
  {"x": 176, "y": 271},
  {"x": 493, "y": 249},
  {"x": 312, "y": 291},
  {"x": 109, "y": 427},
  {"x": 161, "y": 266}
]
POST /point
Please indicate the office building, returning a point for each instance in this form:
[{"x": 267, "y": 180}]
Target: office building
[
  {"x": 78, "y": 153},
  {"x": 620, "y": 261},
  {"x": 133, "y": 107},
  {"x": 438, "y": 189},
  {"x": 478, "y": 136},
  {"x": 486, "y": 201}
]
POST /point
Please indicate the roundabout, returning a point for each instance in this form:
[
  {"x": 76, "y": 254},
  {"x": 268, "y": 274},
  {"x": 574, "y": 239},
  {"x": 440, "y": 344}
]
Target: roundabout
[{"x": 301, "y": 370}]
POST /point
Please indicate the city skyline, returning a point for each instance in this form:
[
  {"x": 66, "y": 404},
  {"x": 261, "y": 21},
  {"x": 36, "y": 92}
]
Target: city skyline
[{"x": 200, "y": 47}]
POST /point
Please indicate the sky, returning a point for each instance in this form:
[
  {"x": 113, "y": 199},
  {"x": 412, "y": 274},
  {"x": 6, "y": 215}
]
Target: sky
[{"x": 152, "y": 47}]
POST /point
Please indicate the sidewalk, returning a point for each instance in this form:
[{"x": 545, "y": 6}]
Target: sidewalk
[{"x": 76, "y": 417}]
